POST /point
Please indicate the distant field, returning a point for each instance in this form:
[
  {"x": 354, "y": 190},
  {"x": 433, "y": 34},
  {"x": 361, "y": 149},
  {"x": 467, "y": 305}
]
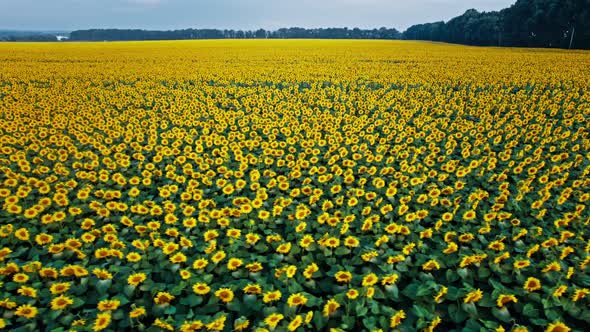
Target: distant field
[{"x": 293, "y": 185}]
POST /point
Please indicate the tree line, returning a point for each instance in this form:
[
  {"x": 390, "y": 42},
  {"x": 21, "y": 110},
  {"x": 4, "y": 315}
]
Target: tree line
[
  {"x": 30, "y": 38},
  {"x": 283, "y": 33},
  {"x": 26, "y": 36}
]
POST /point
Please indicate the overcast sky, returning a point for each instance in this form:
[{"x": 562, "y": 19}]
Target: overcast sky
[{"x": 231, "y": 14}]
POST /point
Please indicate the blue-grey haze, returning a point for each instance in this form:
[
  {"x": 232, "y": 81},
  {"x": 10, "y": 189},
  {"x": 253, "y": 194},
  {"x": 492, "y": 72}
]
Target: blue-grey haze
[{"x": 231, "y": 14}]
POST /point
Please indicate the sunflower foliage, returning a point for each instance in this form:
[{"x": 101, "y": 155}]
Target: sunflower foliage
[{"x": 293, "y": 186}]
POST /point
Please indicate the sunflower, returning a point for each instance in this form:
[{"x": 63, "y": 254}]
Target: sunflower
[
  {"x": 178, "y": 258},
  {"x": 473, "y": 296},
  {"x": 352, "y": 294},
  {"x": 330, "y": 307},
  {"x": 20, "y": 278},
  {"x": 431, "y": 265},
  {"x": 343, "y": 276},
  {"x": 234, "y": 263},
  {"x": 163, "y": 298},
  {"x": 254, "y": 267},
  {"x": 332, "y": 242},
  {"x": 295, "y": 323},
  {"x": 310, "y": 270},
  {"x": 218, "y": 257},
  {"x": 27, "y": 291},
  {"x": 26, "y": 311},
  {"x": 273, "y": 320},
  {"x": 521, "y": 264},
  {"x": 226, "y": 295},
  {"x": 469, "y": 215},
  {"x": 297, "y": 299},
  {"x": 580, "y": 294},
  {"x": 200, "y": 263},
  {"x": 137, "y": 312},
  {"x": 284, "y": 248},
  {"x": 252, "y": 289},
  {"x": 504, "y": 299},
  {"x": 241, "y": 324},
  {"x": 557, "y": 327},
  {"x": 48, "y": 272},
  {"x": 102, "y": 321},
  {"x": 396, "y": 319},
  {"x": 370, "y": 280},
  {"x": 22, "y": 234},
  {"x": 108, "y": 305},
  {"x": 102, "y": 274},
  {"x": 201, "y": 288},
  {"x": 136, "y": 279},
  {"x": 306, "y": 241},
  {"x": 553, "y": 266},
  {"x": 532, "y": 284},
  {"x": 61, "y": 302},
  {"x": 559, "y": 291},
  {"x": 133, "y": 257}
]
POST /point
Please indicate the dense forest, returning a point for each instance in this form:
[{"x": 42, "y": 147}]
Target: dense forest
[
  {"x": 527, "y": 23},
  {"x": 328, "y": 33}
]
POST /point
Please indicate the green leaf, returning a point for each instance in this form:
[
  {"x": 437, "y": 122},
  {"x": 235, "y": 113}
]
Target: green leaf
[
  {"x": 67, "y": 319},
  {"x": 393, "y": 291},
  {"x": 483, "y": 273},
  {"x": 552, "y": 314},
  {"x": 487, "y": 302},
  {"x": 375, "y": 308},
  {"x": 502, "y": 314},
  {"x": 341, "y": 251},
  {"x": 457, "y": 314},
  {"x": 361, "y": 309},
  {"x": 319, "y": 321},
  {"x": 235, "y": 306},
  {"x": 370, "y": 323},
  {"x": 170, "y": 310},
  {"x": 539, "y": 322},
  {"x": 453, "y": 293},
  {"x": 192, "y": 300},
  {"x": 77, "y": 303},
  {"x": 585, "y": 316},
  {"x": 421, "y": 311},
  {"x": 102, "y": 286},
  {"x": 401, "y": 267},
  {"x": 347, "y": 322},
  {"x": 530, "y": 311},
  {"x": 463, "y": 273},
  {"x": 129, "y": 290},
  {"x": 423, "y": 290},
  {"x": 470, "y": 308},
  {"x": 411, "y": 290},
  {"x": 472, "y": 325},
  {"x": 54, "y": 314},
  {"x": 260, "y": 246},
  {"x": 451, "y": 275}
]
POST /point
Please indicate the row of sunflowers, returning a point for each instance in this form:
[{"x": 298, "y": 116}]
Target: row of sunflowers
[{"x": 293, "y": 186}]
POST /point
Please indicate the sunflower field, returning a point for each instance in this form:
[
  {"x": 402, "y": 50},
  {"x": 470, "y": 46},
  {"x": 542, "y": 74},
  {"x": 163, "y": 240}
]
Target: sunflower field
[{"x": 293, "y": 185}]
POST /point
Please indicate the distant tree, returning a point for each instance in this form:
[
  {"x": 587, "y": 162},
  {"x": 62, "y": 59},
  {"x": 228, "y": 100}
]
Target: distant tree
[{"x": 260, "y": 33}]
